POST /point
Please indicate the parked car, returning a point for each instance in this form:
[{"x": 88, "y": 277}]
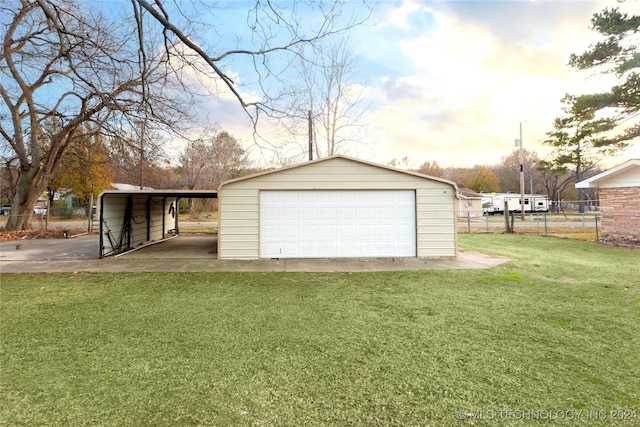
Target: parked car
[
  {"x": 5, "y": 210},
  {"x": 39, "y": 210}
]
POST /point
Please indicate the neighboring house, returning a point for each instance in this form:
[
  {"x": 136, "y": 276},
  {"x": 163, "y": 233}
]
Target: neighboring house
[
  {"x": 619, "y": 194},
  {"x": 469, "y": 203},
  {"x": 128, "y": 187},
  {"x": 336, "y": 207}
]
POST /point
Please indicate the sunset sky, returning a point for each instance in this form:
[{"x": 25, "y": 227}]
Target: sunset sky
[{"x": 450, "y": 81}]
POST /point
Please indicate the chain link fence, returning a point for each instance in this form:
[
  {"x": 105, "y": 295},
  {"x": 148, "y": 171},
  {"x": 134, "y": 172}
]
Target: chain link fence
[
  {"x": 586, "y": 226},
  {"x": 55, "y": 219}
]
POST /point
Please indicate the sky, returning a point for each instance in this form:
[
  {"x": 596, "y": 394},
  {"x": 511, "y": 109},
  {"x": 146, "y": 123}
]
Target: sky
[
  {"x": 453, "y": 81},
  {"x": 472, "y": 72}
]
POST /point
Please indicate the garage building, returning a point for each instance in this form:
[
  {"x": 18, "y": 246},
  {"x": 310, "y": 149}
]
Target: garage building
[{"x": 336, "y": 207}]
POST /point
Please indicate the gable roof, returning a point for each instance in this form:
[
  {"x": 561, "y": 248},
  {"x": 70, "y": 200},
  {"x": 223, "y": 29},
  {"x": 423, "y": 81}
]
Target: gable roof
[
  {"x": 340, "y": 156},
  {"x": 618, "y": 171}
]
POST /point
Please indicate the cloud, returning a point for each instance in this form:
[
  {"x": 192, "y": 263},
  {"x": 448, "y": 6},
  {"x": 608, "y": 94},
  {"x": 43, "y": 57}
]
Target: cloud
[
  {"x": 404, "y": 16},
  {"x": 451, "y": 81},
  {"x": 474, "y": 73},
  {"x": 402, "y": 89}
]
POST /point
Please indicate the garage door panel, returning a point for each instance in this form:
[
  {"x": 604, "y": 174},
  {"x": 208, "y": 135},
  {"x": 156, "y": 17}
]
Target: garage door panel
[
  {"x": 290, "y": 197},
  {"x": 309, "y": 197},
  {"x": 324, "y": 223},
  {"x": 385, "y": 232},
  {"x": 348, "y": 231},
  {"x": 328, "y": 232},
  {"x": 310, "y": 214},
  {"x": 367, "y": 213},
  {"x": 272, "y": 248},
  {"x": 387, "y": 215},
  {"x": 291, "y": 213},
  {"x": 290, "y": 233},
  {"x": 366, "y": 231},
  {"x": 270, "y": 232},
  {"x": 348, "y": 213},
  {"x": 308, "y": 232}
]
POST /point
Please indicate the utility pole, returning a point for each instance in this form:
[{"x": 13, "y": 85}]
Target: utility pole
[
  {"x": 310, "y": 137},
  {"x": 521, "y": 177}
]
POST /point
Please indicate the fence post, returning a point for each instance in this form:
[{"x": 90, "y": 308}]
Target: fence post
[
  {"x": 506, "y": 217},
  {"x": 468, "y": 222},
  {"x": 545, "y": 223},
  {"x": 597, "y": 234},
  {"x": 487, "y": 217},
  {"x": 513, "y": 219}
]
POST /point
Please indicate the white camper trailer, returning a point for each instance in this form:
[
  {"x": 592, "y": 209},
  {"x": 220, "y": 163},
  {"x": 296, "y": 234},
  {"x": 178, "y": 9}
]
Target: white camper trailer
[{"x": 532, "y": 203}]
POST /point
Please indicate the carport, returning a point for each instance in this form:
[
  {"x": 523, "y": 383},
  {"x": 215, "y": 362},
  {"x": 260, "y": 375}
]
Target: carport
[{"x": 133, "y": 219}]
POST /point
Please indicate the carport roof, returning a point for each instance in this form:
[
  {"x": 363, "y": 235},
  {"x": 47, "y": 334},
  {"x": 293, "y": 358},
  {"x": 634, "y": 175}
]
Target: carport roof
[{"x": 180, "y": 194}]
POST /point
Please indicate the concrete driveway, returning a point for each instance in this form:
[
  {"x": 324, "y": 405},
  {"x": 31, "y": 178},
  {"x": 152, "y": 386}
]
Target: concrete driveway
[{"x": 197, "y": 252}]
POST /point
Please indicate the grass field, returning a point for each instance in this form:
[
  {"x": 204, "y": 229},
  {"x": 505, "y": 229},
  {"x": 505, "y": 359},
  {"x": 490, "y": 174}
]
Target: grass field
[{"x": 555, "y": 330}]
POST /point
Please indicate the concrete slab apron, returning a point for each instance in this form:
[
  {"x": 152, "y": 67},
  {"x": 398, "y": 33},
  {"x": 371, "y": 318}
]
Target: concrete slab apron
[{"x": 81, "y": 254}]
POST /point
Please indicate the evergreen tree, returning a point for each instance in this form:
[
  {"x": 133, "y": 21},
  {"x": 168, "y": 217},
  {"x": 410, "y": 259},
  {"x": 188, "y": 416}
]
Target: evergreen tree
[{"x": 617, "y": 54}]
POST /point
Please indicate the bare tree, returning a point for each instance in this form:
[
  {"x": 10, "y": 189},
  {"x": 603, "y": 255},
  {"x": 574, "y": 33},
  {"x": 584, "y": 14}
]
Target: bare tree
[
  {"x": 60, "y": 63},
  {"x": 327, "y": 94},
  {"x": 62, "y": 68},
  {"x": 508, "y": 171},
  {"x": 211, "y": 160}
]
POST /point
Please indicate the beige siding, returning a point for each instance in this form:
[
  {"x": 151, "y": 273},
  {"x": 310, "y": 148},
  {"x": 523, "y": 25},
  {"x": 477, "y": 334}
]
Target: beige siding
[
  {"x": 239, "y": 222},
  {"x": 112, "y": 221},
  {"x": 151, "y": 220}
]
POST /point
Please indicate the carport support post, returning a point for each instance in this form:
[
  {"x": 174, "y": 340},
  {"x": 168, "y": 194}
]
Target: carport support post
[
  {"x": 148, "y": 218},
  {"x": 177, "y": 211}
]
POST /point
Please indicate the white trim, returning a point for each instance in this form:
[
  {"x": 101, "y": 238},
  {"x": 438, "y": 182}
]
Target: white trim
[{"x": 594, "y": 181}]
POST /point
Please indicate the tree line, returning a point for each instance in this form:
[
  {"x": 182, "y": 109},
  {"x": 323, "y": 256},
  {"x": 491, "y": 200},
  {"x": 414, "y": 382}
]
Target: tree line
[{"x": 504, "y": 176}]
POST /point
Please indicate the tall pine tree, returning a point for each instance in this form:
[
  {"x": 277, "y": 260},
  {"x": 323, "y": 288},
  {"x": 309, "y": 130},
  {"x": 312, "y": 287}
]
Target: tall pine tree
[{"x": 616, "y": 54}]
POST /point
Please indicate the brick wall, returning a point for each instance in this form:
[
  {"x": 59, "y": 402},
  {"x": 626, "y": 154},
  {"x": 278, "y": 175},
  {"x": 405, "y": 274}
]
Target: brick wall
[{"x": 620, "y": 208}]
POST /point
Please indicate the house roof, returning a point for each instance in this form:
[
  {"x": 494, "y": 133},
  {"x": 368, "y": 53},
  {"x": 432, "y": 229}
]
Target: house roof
[
  {"x": 468, "y": 194},
  {"x": 606, "y": 177},
  {"x": 340, "y": 156}
]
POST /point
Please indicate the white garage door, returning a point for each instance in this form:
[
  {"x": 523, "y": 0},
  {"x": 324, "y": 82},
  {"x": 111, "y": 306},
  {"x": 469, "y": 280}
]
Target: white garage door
[{"x": 325, "y": 224}]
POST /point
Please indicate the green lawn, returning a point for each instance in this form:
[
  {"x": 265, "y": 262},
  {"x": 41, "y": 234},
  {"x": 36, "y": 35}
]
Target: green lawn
[{"x": 556, "y": 330}]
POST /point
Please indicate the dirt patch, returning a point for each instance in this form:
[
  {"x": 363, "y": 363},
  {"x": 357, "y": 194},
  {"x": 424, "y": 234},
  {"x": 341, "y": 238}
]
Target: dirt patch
[
  {"x": 40, "y": 234},
  {"x": 621, "y": 244}
]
